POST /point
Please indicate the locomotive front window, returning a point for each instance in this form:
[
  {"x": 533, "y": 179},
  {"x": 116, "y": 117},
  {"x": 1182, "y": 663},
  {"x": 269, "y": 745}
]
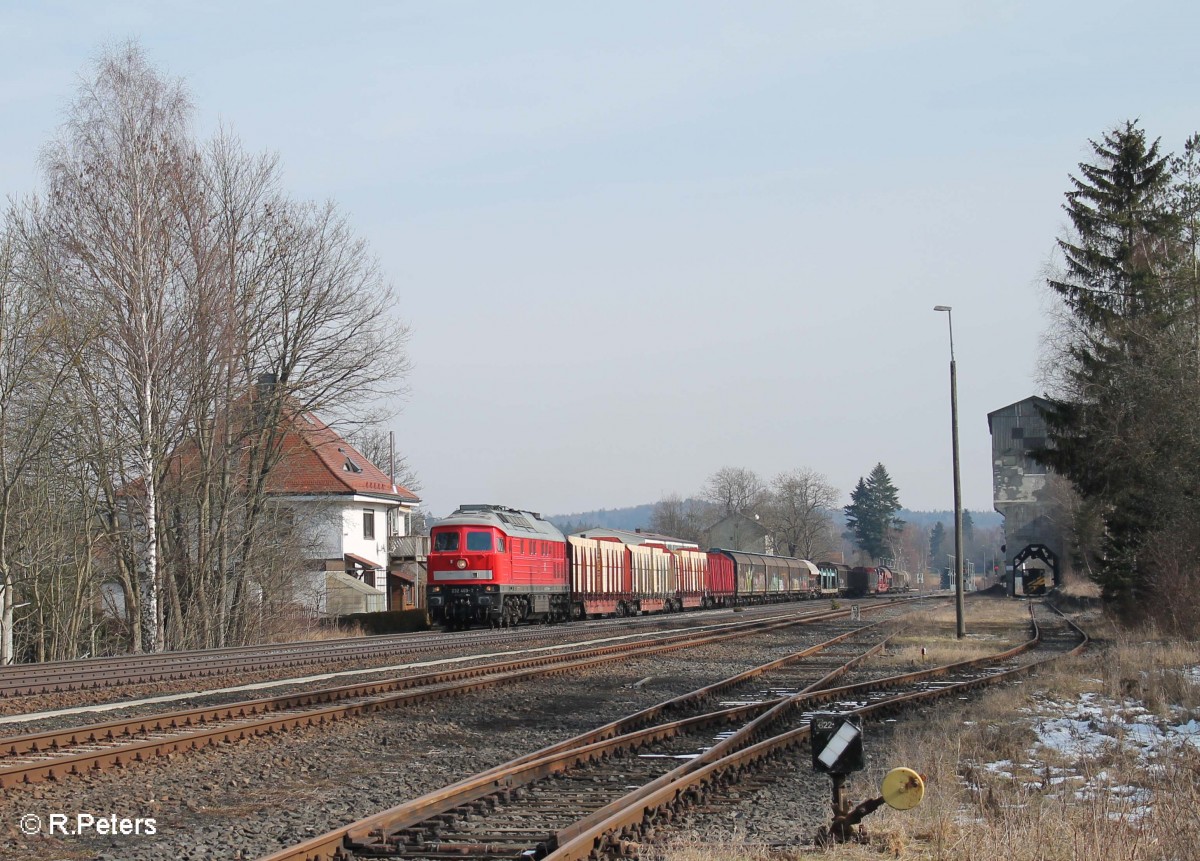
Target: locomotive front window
[
  {"x": 479, "y": 541},
  {"x": 446, "y": 541}
]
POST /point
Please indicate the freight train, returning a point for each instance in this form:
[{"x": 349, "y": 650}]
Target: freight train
[{"x": 492, "y": 565}]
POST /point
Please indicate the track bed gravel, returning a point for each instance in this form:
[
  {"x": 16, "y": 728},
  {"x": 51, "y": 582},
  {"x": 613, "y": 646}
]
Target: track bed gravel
[
  {"x": 428, "y": 649},
  {"x": 245, "y": 800}
]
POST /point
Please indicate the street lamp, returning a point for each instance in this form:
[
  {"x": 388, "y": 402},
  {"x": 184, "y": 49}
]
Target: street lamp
[{"x": 958, "y": 558}]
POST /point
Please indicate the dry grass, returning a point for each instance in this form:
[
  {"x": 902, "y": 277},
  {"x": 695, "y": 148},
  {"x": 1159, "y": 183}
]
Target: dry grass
[
  {"x": 1077, "y": 586},
  {"x": 993, "y": 625},
  {"x": 284, "y": 628},
  {"x": 993, "y": 793}
]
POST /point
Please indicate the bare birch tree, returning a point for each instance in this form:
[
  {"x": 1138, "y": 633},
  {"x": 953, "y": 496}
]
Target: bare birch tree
[{"x": 120, "y": 177}]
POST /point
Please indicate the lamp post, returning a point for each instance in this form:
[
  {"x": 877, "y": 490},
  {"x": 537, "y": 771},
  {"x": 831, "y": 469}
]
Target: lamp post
[{"x": 958, "y": 557}]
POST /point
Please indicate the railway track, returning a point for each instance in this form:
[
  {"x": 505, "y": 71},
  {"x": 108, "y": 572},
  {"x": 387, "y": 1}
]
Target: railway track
[
  {"x": 605, "y": 793},
  {"x": 56, "y": 754},
  {"x": 19, "y": 680}
]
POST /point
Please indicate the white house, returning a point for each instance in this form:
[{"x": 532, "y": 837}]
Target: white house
[{"x": 347, "y": 508}]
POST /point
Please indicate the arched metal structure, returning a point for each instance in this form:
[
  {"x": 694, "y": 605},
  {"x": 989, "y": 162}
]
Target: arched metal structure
[{"x": 1043, "y": 553}]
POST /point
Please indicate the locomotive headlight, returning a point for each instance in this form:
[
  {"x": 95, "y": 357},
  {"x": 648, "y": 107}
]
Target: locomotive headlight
[{"x": 461, "y": 563}]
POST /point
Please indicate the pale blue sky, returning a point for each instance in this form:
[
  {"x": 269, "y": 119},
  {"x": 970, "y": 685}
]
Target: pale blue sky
[{"x": 637, "y": 242}]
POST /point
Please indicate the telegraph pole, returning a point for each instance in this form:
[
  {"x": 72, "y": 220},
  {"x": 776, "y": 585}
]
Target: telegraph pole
[{"x": 961, "y": 626}]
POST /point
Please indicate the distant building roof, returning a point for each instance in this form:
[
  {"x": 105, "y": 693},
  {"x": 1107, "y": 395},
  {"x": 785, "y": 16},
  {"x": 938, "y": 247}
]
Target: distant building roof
[{"x": 741, "y": 519}]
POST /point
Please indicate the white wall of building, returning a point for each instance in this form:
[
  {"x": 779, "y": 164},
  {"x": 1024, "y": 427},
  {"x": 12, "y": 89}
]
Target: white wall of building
[{"x": 335, "y": 527}]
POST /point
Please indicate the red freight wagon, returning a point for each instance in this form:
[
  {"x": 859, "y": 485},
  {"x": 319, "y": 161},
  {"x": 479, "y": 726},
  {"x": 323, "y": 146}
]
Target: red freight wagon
[
  {"x": 495, "y": 565},
  {"x": 864, "y": 581},
  {"x": 719, "y": 588}
]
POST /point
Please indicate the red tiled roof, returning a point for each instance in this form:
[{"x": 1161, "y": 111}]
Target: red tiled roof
[{"x": 316, "y": 460}]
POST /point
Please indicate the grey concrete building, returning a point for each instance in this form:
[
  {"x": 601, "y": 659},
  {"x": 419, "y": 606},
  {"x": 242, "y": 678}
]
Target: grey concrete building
[{"x": 1032, "y": 536}]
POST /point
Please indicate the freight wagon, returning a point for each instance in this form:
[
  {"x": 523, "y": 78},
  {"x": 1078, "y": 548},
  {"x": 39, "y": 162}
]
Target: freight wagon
[
  {"x": 865, "y": 580},
  {"x": 834, "y": 578},
  {"x": 763, "y": 579},
  {"x": 492, "y": 565}
]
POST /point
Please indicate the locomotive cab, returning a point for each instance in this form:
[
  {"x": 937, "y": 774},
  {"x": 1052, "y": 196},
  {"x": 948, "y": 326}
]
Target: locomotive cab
[
  {"x": 466, "y": 566},
  {"x": 491, "y": 565}
]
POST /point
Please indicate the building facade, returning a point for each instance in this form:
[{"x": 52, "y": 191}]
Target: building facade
[
  {"x": 738, "y": 532},
  {"x": 1033, "y": 537},
  {"x": 349, "y": 512}
]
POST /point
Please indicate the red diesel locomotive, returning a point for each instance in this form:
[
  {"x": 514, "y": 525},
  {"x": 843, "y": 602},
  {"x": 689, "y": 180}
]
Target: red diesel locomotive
[
  {"x": 490, "y": 564},
  {"x": 493, "y": 565}
]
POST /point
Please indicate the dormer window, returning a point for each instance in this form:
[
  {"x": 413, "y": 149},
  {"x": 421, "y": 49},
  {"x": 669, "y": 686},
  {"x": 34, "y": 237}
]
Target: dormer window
[{"x": 348, "y": 465}]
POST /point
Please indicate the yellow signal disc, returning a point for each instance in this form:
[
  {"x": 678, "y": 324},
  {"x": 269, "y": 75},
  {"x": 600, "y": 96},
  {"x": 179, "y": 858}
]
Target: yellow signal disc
[{"x": 903, "y": 788}]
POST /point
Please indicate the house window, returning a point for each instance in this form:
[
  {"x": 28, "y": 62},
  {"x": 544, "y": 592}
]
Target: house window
[{"x": 368, "y": 523}]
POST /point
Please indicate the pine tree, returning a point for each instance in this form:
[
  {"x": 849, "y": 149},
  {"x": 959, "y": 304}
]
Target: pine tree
[
  {"x": 858, "y": 515},
  {"x": 937, "y": 541},
  {"x": 1123, "y": 229},
  {"x": 871, "y": 514},
  {"x": 1105, "y": 432}
]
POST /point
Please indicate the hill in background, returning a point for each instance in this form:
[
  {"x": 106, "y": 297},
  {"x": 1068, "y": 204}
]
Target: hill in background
[
  {"x": 631, "y": 518},
  {"x": 638, "y": 517}
]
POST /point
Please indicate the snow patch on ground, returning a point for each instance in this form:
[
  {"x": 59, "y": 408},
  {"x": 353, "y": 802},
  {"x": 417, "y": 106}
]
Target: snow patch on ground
[{"x": 1077, "y": 740}]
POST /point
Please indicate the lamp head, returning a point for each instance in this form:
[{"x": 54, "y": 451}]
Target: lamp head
[{"x": 941, "y": 307}]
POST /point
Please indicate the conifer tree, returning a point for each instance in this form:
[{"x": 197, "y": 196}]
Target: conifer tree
[
  {"x": 937, "y": 541},
  {"x": 871, "y": 514},
  {"x": 1118, "y": 288}
]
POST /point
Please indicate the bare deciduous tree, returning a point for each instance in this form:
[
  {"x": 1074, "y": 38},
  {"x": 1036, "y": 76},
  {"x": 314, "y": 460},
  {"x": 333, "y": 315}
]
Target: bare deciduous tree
[
  {"x": 678, "y": 517},
  {"x": 121, "y": 178},
  {"x": 199, "y": 315},
  {"x": 735, "y": 489},
  {"x": 30, "y": 382},
  {"x": 797, "y": 514}
]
